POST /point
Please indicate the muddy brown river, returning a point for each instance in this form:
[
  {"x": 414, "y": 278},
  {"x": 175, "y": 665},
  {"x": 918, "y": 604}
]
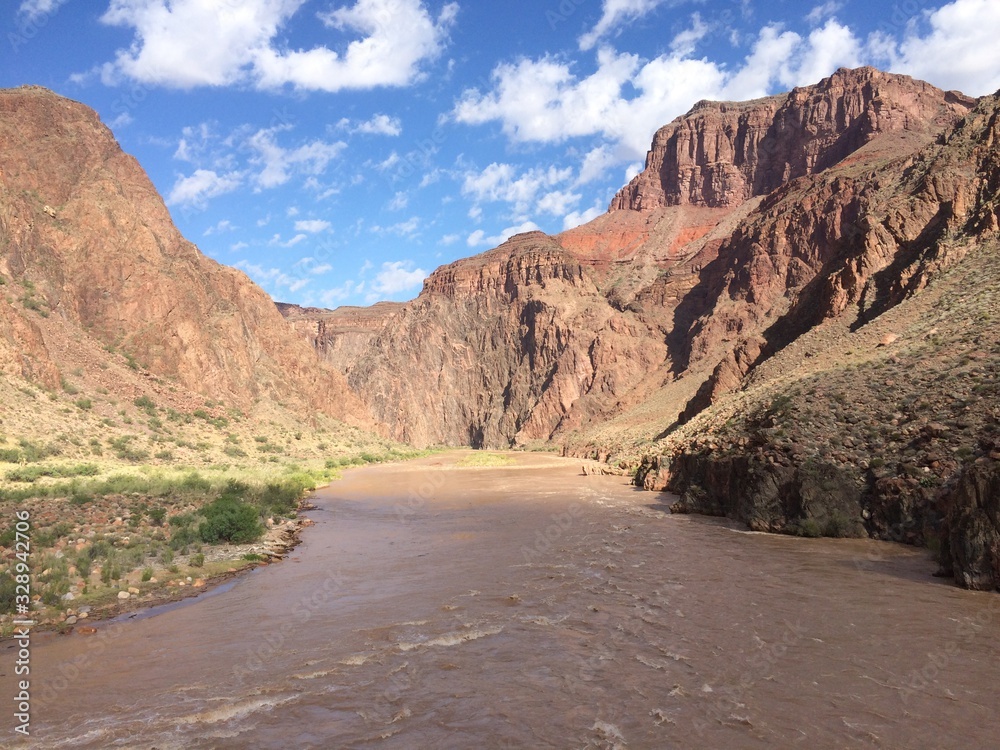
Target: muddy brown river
[{"x": 532, "y": 607}]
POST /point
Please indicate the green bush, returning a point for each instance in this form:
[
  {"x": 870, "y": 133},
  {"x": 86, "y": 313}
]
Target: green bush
[
  {"x": 10, "y": 455},
  {"x": 157, "y": 514},
  {"x": 145, "y": 403},
  {"x": 197, "y": 561},
  {"x": 229, "y": 519}
]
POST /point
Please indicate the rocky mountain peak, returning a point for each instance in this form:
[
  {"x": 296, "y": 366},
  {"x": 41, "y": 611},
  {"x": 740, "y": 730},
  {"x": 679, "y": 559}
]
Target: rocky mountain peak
[
  {"x": 88, "y": 237},
  {"x": 720, "y": 154}
]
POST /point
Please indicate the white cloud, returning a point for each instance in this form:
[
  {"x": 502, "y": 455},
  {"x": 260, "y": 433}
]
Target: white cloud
[
  {"x": 277, "y": 164},
  {"x": 237, "y": 246},
  {"x": 276, "y": 240},
  {"x": 401, "y": 34},
  {"x": 576, "y": 218},
  {"x": 399, "y": 202},
  {"x": 614, "y": 14},
  {"x": 406, "y": 228},
  {"x": 558, "y": 202},
  {"x": 378, "y": 125},
  {"x": 625, "y": 99},
  {"x": 123, "y": 120},
  {"x": 684, "y": 44},
  {"x": 381, "y": 125},
  {"x": 821, "y": 12},
  {"x": 501, "y": 182},
  {"x": 394, "y": 278},
  {"x": 321, "y": 269},
  {"x": 450, "y": 239},
  {"x": 389, "y": 162},
  {"x": 225, "y": 225},
  {"x": 312, "y": 225},
  {"x": 476, "y": 239},
  {"x": 597, "y": 161},
  {"x": 960, "y": 51},
  {"x": 189, "y": 43},
  {"x": 830, "y": 47},
  {"x": 203, "y": 184},
  {"x": 33, "y": 10}
]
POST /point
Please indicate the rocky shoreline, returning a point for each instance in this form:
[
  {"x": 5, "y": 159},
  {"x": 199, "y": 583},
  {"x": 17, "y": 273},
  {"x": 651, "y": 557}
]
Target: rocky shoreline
[{"x": 226, "y": 562}]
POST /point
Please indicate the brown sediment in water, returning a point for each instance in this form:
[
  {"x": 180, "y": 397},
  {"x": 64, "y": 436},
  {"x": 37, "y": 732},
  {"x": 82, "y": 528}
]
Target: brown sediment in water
[{"x": 435, "y": 606}]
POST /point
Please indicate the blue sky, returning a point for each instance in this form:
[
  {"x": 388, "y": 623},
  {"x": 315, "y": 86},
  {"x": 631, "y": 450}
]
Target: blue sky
[{"x": 339, "y": 151}]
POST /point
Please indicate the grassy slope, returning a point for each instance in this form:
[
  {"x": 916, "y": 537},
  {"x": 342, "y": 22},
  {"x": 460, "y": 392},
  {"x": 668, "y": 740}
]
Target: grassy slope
[{"x": 115, "y": 483}]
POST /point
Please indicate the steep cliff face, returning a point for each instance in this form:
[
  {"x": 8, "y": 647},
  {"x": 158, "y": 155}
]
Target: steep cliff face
[
  {"x": 723, "y": 153},
  {"x": 340, "y": 336},
  {"x": 89, "y": 242},
  {"x": 506, "y": 347},
  {"x": 686, "y": 274}
]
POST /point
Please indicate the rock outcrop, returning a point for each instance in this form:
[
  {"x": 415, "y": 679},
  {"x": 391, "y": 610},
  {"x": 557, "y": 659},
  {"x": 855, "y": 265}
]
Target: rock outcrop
[
  {"x": 88, "y": 242},
  {"x": 724, "y": 153},
  {"x": 675, "y": 292}
]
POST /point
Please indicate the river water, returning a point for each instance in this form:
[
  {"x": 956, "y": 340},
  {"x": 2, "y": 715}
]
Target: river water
[{"x": 533, "y": 607}]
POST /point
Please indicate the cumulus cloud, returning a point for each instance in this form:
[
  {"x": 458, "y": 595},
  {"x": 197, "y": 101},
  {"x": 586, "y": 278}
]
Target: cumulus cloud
[
  {"x": 959, "y": 51},
  {"x": 394, "y": 278},
  {"x": 189, "y": 43},
  {"x": 198, "y": 188},
  {"x": 625, "y": 99},
  {"x": 313, "y": 226}
]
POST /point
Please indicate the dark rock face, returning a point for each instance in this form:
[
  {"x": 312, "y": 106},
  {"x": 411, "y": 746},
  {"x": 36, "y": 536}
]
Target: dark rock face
[
  {"x": 971, "y": 549},
  {"x": 813, "y": 499}
]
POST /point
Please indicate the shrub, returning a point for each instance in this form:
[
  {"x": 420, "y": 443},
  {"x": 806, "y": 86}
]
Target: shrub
[
  {"x": 147, "y": 575},
  {"x": 8, "y": 592},
  {"x": 10, "y": 455},
  {"x": 229, "y": 519},
  {"x": 84, "y": 403},
  {"x": 157, "y": 514},
  {"x": 198, "y": 560},
  {"x": 145, "y": 402}
]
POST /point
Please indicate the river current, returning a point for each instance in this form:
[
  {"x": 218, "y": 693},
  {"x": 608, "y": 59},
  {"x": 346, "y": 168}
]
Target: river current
[{"x": 530, "y": 606}]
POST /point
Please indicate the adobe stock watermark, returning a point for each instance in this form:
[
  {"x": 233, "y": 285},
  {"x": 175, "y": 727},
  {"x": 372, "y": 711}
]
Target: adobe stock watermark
[
  {"x": 29, "y": 25},
  {"x": 562, "y": 12},
  {"x": 727, "y": 697},
  {"x": 68, "y": 672},
  {"x": 545, "y": 538},
  {"x": 941, "y": 659},
  {"x": 419, "y": 495},
  {"x": 308, "y": 605}
]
